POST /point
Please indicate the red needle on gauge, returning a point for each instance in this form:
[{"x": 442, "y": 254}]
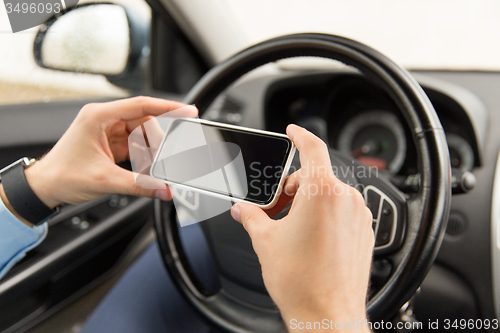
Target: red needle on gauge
[
  {"x": 368, "y": 147},
  {"x": 373, "y": 162}
]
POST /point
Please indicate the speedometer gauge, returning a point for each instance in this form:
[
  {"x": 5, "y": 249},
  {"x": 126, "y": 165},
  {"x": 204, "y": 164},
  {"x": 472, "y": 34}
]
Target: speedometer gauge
[
  {"x": 461, "y": 153},
  {"x": 375, "y": 138}
]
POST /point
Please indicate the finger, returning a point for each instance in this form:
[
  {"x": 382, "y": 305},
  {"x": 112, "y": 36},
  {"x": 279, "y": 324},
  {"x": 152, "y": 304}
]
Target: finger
[
  {"x": 286, "y": 195},
  {"x": 148, "y": 182},
  {"x": 134, "y": 123},
  {"x": 313, "y": 151},
  {"x": 250, "y": 216},
  {"x": 153, "y": 133},
  {"x": 187, "y": 111},
  {"x": 138, "y": 107},
  {"x": 124, "y": 182}
]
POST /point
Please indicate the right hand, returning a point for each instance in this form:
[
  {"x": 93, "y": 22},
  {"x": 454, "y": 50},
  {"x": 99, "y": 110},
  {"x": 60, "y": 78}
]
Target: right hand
[{"x": 316, "y": 260}]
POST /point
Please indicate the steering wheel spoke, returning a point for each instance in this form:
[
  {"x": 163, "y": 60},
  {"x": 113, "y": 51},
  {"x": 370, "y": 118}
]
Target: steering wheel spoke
[
  {"x": 388, "y": 219},
  {"x": 386, "y": 202}
]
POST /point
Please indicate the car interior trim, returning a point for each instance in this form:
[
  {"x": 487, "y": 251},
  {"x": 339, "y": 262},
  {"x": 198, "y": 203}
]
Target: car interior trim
[
  {"x": 495, "y": 238},
  {"x": 470, "y": 103},
  {"x": 11, "y": 282}
]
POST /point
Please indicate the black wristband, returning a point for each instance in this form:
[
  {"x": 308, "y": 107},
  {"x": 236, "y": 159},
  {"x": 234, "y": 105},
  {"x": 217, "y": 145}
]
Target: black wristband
[{"x": 22, "y": 198}]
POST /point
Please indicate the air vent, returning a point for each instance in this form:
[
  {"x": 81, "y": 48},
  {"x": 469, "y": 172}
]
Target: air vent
[{"x": 457, "y": 224}]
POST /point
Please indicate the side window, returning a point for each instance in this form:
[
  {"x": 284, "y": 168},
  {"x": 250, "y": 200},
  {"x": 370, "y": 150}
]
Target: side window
[
  {"x": 176, "y": 64},
  {"x": 84, "y": 54}
]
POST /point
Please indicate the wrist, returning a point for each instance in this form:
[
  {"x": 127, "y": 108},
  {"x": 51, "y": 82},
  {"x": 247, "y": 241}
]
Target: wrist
[
  {"x": 326, "y": 320},
  {"x": 40, "y": 183},
  {"x": 7, "y": 204}
]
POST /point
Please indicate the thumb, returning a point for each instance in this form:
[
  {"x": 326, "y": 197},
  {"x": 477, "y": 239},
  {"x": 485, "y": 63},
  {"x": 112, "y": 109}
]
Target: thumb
[{"x": 250, "y": 216}]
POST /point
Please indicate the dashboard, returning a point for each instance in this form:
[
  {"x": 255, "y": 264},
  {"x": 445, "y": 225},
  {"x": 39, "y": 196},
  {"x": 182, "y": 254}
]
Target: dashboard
[{"x": 356, "y": 117}]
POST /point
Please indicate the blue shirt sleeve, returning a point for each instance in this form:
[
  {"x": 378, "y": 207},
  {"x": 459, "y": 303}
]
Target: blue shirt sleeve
[{"x": 16, "y": 238}]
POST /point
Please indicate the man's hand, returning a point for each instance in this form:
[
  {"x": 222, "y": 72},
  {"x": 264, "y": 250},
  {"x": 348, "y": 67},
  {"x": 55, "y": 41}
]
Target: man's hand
[
  {"x": 82, "y": 165},
  {"x": 316, "y": 260}
]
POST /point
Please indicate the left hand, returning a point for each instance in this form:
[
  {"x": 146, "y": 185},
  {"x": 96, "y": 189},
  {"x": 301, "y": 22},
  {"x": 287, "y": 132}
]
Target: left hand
[{"x": 82, "y": 165}]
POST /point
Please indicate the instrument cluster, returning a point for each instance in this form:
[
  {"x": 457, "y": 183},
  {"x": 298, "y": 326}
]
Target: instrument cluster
[{"x": 354, "y": 116}]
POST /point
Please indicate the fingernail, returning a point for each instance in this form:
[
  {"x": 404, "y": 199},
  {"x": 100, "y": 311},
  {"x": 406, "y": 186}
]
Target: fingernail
[{"x": 235, "y": 213}]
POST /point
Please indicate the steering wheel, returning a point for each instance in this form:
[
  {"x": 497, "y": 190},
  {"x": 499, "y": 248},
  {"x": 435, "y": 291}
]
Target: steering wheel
[{"x": 409, "y": 228}]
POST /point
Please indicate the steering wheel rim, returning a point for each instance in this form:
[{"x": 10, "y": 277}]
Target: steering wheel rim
[{"x": 427, "y": 210}]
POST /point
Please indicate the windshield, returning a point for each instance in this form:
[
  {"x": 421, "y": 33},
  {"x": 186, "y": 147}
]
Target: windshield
[{"x": 424, "y": 34}]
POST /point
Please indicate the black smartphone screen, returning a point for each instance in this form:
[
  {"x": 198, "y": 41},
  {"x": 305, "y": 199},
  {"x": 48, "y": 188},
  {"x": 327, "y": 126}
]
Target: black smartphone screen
[{"x": 233, "y": 162}]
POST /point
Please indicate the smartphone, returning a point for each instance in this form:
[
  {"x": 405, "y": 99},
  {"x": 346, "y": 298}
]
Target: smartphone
[{"x": 225, "y": 161}]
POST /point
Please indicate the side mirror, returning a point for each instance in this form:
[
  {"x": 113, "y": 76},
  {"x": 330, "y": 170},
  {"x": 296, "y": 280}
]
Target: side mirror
[{"x": 96, "y": 38}]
